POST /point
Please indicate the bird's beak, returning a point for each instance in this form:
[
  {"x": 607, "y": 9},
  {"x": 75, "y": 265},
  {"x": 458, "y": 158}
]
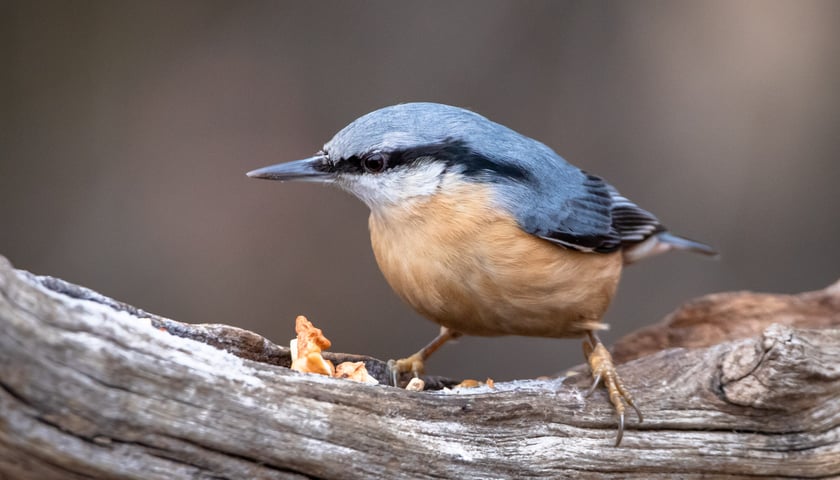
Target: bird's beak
[{"x": 314, "y": 169}]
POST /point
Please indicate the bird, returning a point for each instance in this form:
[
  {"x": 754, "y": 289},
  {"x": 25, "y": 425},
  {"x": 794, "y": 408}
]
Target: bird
[{"x": 488, "y": 232}]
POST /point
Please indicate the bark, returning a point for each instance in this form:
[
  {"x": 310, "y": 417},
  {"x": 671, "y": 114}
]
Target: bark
[{"x": 90, "y": 387}]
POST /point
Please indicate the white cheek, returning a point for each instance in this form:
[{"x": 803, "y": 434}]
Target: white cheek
[{"x": 397, "y": 185}]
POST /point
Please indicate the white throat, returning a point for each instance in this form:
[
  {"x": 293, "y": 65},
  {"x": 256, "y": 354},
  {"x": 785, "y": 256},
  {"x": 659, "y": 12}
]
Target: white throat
[{"x": 398, "y": 186}]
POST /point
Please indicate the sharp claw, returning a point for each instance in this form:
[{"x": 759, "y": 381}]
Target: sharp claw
[
  {"x": 392, "y": 369},
  {"x": 594, "y": 385},
  {"x": 620, "y": 434},
  {"x": 638, "y": 412}
]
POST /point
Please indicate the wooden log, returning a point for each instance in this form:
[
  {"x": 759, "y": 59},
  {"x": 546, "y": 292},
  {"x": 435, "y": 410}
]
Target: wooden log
[{"x": 92, "y": 388}]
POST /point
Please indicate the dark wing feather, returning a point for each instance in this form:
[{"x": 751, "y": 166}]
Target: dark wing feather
[
  {"x": 600, "y": 219},
  {"x": 633, "y": 223}
]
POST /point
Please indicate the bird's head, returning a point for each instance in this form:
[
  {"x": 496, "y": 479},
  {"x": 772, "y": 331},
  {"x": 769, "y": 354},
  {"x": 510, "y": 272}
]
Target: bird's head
[{"x": 411, "y": 151}]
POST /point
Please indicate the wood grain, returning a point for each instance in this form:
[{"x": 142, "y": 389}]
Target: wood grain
[{"x": 92, "y": 388}]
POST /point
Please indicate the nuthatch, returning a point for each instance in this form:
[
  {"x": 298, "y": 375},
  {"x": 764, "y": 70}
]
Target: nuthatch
[{"x": 486, "y": 231}]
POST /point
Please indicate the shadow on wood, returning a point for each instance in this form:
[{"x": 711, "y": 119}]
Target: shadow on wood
[{"x": 90, "y": 387}]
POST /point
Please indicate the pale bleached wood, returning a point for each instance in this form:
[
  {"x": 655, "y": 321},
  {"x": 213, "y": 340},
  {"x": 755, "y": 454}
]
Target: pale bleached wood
[{"x": 90, "y": 388}]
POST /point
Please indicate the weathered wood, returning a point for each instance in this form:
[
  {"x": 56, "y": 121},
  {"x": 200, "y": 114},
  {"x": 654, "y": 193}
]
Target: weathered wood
[
  {"x": 90, "y": 387},
  {"x": 721, "y": 317}
]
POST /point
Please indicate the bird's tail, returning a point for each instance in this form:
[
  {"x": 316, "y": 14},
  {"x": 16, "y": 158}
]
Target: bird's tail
[{"x": 663, "y": 242}]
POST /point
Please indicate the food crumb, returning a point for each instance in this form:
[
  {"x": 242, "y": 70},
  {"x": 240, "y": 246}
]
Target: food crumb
[
  {"x": 354, "y": 371},
  {"x": 307, "y": 358},
  {"x": 416, "y": 384},
  {"x": 470, "y": 383}
]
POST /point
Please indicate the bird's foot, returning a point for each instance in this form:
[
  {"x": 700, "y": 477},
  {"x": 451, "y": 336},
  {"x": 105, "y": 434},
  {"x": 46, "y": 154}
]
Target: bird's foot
[
  {"x": 416, "y": 363},
  {"x": 413, "y": 364},
  {"x": 603, "y": 370}
]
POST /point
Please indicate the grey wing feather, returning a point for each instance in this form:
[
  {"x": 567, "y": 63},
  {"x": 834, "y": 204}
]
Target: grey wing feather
[
  {"x": 598, "y": 219},
  {"x": 587, "y": 221}
]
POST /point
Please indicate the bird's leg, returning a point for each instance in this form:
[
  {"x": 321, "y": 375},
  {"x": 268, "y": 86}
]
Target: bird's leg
[
  {"x": 603, "y": 369},
  {"x": 415, "y": 363}
]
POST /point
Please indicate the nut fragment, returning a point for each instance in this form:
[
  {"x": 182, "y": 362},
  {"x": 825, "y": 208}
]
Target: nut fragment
[
  {"x": 307, "y": 347},
  {"x": 310, "y": 339},
  {"x": 470, "y": 383},
  {"x": 306, "y": 355},
  {"x": 416, "y": 384},
  {"x": 354, "y": 371}
]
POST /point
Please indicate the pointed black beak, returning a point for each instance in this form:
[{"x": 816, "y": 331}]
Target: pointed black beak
[{"x": 314, "y": 169}]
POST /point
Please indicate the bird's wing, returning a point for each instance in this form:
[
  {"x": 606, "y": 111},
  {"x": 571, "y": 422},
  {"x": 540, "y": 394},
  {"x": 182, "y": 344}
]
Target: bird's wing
[
  {"x": 592, "y": 217},
  {"x": 633, "y": 223}
]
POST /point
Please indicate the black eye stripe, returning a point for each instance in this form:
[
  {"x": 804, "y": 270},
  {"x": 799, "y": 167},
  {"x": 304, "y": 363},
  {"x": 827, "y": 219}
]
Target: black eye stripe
[
  {"x": 452, "y": 152},
  {"x": 348, "y": 165},
  {"x": 362, "y": 164},
  {"x": 456, "y": 153}
]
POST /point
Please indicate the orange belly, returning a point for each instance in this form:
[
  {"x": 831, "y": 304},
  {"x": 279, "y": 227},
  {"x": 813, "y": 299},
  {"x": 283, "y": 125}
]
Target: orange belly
[{"x": 468, "y": 266}]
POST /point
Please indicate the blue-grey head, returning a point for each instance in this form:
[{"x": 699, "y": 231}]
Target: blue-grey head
[{"x": 410, "y": 151}]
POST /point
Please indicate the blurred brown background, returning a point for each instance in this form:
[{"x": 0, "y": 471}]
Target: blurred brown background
[{"x": 126, "y": 129}]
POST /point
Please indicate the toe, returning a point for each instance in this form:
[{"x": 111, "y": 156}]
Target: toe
[
  {"x": 604, "y": 372},
  {"x": 413, "y": 364}
]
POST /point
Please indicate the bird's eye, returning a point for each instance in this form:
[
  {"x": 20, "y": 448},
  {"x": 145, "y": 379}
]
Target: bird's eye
[{"x": 375, "y": 162}]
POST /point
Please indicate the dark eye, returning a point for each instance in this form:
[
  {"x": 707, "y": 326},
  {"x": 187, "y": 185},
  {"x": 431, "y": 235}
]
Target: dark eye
[{"x": 375, "y": 162}]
